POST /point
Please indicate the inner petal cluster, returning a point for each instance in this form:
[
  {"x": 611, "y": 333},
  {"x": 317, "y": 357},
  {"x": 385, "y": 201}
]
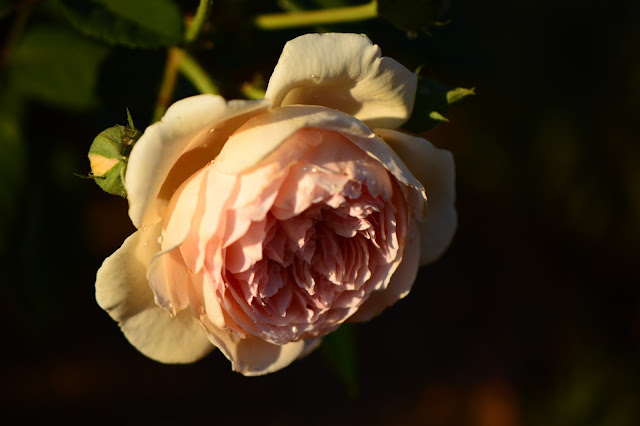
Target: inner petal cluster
[
  {"x": 311, "y": 271},
  {"x": 298, "y": 257}
]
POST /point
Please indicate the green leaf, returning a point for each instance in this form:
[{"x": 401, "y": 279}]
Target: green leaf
[
  {"x": 57, "y": 66},
  {"x": 339, "y": 349},
  {"x": 133, "y": 23},
  {"x": 12, "y": 160},
  {"x": 412, "y": 15},
  {"x": 432, "y": 103}
]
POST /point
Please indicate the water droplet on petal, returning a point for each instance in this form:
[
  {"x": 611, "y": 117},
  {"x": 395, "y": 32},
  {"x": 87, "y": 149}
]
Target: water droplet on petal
[
  {"x": 160, "y": 239},
  {"x": 146, "y": 243}
]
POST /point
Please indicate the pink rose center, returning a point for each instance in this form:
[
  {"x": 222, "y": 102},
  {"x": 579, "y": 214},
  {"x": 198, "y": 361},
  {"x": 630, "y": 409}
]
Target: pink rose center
[{"x": 300, "y": 242}]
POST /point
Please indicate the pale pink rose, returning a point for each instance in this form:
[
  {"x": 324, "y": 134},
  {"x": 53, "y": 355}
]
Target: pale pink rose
[{"x": 264, "y": 225}]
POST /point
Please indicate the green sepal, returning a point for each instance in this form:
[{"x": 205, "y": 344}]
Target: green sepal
[
  {"x": 435, "y": 115},
  {"x": 113, "y": 180},
  {"x": 112, "y": 148},
  {"x": 433, "y": 100},
  {"x": 458, "y": 94}
]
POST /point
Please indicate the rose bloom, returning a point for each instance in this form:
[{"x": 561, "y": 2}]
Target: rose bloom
[{"x": 264, "y": 225}]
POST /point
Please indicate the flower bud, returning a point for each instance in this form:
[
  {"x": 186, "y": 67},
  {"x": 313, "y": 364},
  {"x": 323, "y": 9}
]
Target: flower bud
[{"x": 108, "y": 157}]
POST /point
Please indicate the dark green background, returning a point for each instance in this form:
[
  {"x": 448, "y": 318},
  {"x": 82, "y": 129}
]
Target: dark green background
[{"x": 531, "y": 318}]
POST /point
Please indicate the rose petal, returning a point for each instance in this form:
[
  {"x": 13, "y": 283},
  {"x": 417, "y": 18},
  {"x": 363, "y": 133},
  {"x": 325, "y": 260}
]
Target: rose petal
[
  {"x": 164, "y": 142},
  {"x": 400, "y": 284},
  {"x": 344, "y": 72},
  {"x": 123, "y": 291},
  {"x": 272, "y": 128},
  {"x": 436, "y": 170},
  {"x": 253, "y": 356},
  {"x": 182, "y": 209}
]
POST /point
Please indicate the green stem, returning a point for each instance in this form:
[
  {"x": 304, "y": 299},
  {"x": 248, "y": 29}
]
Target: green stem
[
  {"x": 194, "y": 28},
  {"x": 178, "y": 60},
  {"x": 310, "y": 18},
  {"x": 193, "y": 72},
  {"x": 252, "y": 92},
  {"x": 174, "y": 57}
]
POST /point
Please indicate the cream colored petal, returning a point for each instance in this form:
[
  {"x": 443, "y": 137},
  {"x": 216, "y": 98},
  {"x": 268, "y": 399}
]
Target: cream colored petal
[
  {"x": 401, "y": 281},
  {"x": 162, "y": 144},
  {"x": 435, "y": 168},
  {"x": 344, "y": 72},
  {"x": 182, "y": 210},
  {"x": 264, "y": 133},
  {"x": 253, "y": 356},
  {"x": 123, "y": 291}
]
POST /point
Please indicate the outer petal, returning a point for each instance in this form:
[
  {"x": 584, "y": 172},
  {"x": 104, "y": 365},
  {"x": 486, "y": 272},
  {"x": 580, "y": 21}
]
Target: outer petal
[
  {"x": 344, "y": 72},
  {"x": 123, "y": 291},
  {"x": 253, "y": 356},
  {"x": 435, "y": 169},
  {"x": 162, "y": 144},
  {"x": 266, "y": 132}
]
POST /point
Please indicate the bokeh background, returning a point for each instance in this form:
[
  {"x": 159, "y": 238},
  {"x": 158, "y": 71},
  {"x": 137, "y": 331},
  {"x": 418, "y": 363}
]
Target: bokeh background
[{"x": 531, "y": 318}]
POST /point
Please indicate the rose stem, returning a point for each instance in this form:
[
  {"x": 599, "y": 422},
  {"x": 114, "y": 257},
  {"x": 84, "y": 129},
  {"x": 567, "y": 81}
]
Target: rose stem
[
  {"x": 179, "y": 60},
  {"x": 195, "y": 26},
  {"x": 174, "y": 56},
  {"x": 251, "y": 92},
  {"x": 193, "y": 72},
  {"x": 308, "y": 18}
]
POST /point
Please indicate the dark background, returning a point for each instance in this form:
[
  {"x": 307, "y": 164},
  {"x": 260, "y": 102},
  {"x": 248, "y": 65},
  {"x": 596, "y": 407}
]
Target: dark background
[{"x": 531, "y": 318}]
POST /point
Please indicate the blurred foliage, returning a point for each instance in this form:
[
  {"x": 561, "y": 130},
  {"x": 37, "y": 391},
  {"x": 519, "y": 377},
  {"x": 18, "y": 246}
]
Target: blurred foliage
[
  {"x": 6, "y": 6},
  {"x": 295, "y": 5},
  {"x": 340, "y": 351},
  {"x": 57, "y": 66},
  {"x": 12, "y": 161},
  {"x": 126, "y": 22},
  {"x": 532, "y": 316},
  {"x": 412, "y": 15}
]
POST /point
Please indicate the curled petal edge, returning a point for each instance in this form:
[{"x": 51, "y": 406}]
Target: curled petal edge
[{"x": 435, "y": 168}]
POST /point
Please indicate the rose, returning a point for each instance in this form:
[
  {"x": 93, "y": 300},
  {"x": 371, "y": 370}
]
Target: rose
[{"x": 264, "y": 225}]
